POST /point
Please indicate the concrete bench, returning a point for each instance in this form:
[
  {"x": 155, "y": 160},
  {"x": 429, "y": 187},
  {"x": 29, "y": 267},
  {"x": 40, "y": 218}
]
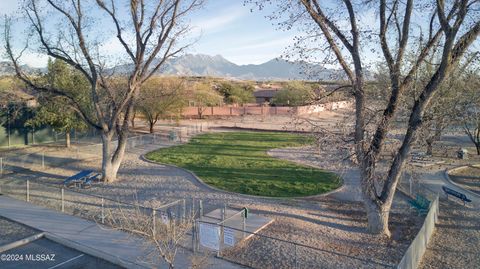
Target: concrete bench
[{"x": 456, "y": 194}]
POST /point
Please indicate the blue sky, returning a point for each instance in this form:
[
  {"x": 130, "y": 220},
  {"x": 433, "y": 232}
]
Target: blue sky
[
  {"x": 229, "y": 28},
  {"x": 224, "y": 27}
]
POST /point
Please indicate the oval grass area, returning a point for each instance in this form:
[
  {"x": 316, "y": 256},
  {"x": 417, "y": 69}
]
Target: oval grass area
[{"x": 238, "y": 162}]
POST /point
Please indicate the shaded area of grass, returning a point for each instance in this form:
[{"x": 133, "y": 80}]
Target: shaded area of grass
[{"x": 238, "y": 162}]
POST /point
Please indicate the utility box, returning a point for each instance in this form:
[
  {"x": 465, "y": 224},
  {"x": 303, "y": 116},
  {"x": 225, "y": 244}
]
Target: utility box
[{"x": 462, "y": 154}]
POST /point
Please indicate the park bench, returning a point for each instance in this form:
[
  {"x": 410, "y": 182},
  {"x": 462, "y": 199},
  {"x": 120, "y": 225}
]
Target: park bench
[
  {"x": 457, "y": 194},
  {"x": 420, "y": 203}
]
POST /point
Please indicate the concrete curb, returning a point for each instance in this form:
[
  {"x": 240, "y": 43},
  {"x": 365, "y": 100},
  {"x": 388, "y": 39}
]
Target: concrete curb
[
  {"x": 201, "y": 182},
  {"x": 21, "y": 242},
  {"x": 449, "y": 180},
  {"x": 93, "y": 252}
]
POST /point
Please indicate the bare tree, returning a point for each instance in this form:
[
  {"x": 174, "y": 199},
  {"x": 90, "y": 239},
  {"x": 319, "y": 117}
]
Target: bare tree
[
  {"x": 468, "y": 105},
  {"x": 445, "y": 108},
  {"x": 165, "y": 232},
  {"x": 454, "y": 26},
  {"x": 65, "y": 30}
]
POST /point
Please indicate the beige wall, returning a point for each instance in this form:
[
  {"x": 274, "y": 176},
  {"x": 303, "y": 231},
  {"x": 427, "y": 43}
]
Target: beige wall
[{"x": 265, "y": 110}]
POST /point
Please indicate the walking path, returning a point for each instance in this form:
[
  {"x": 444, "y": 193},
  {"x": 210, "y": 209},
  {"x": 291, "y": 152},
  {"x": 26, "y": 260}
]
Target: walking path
[{"x": 89, "y": 237}]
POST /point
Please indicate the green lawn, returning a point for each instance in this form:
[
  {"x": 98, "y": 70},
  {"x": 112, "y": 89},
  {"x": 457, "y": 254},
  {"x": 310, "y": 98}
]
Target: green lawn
[{"x": 238, "y": 162}]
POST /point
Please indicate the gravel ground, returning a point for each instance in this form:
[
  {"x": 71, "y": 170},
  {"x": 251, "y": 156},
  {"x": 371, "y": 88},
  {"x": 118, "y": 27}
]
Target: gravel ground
[
  {"x": 11, "y": 231},
  {"x": 456, "y": 241},
  {"x": 333, "y": 228}
]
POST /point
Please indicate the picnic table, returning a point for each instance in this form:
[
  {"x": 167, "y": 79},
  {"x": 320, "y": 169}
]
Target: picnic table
[{"x": 83, "y": 179}]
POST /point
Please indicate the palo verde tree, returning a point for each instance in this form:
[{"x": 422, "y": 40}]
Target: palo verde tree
[
  {"x": 161, "y": 97},
  {"x": 235, "y": 93},
  {"x": 340, "y": 29},
  {"x": 294, "y": 93},
  {"x": 204, "y": 96},
  {"x": 149, "y": 33}
]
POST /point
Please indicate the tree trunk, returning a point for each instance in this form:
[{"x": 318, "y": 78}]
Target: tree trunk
[
  {"x": 377, "y": 218},
  {"x": 429, "y": 146},
  {"x": 478, "y": 148},
  {"x": 151, "y": 127},
  {"x": 67, "y": 139},
  {"x": 132, "y": 121},
  {"x": 112, "y": 156}
]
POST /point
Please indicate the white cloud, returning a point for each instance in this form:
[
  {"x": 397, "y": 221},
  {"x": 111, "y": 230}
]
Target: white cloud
[
  {"x": 217, "y": 23},
  {"x": 8, "y": 7},
  {"x": 263, "y": 43},
  {"x": 34, "y": 59}
]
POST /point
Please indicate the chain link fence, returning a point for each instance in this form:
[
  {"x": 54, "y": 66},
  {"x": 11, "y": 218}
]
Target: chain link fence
[
  {"x": 18, "y": 173},
  {"x": 232, "y": 240},
  {"x": 87, "y": 147}
]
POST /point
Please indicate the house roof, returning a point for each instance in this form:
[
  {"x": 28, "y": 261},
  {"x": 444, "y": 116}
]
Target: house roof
[{"x": 265, "y": 93}]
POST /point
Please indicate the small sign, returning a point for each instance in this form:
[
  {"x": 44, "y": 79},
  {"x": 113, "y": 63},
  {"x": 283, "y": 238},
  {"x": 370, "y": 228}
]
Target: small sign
[
  {"x": 164, "y": 218},
  {"x": 229, "y": 237},
  {"x": 210, "y": 236}
]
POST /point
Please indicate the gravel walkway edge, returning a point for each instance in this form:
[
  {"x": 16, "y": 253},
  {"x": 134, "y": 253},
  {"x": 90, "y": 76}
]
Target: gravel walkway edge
[{"x": 449, "y": 180}]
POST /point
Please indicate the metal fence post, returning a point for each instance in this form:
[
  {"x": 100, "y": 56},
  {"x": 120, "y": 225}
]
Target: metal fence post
[
  {"x": 103, "y": 211},
  {"x": 244, "y": 223},
  {"x": 154, "y": 225},
  {"x": 193, "y": 208},
  {"x": 1, "y": 166},
  {"x": 296, "y": 259},
  {"x": 411, "y": 186},
  {"x": 221, "y": 239},
  {"x": 43, "y": 159},
  {"x": 193, "y": 237},
  {"x": 28, "y": 190},
  {"x": 184, "y": 209},
  {"x": 63, "y": 201},
  {"x": 201, "y": 208}
]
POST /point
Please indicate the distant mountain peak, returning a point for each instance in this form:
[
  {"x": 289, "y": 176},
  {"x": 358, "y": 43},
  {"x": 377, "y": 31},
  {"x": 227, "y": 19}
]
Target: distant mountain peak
[{"x": 218, "y": 66}]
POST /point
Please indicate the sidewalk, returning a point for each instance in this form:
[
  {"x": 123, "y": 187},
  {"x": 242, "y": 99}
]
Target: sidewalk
[{"x": 86, "y": 236}]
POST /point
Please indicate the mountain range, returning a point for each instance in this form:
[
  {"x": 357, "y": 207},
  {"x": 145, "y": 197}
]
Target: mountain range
[{"x": 218, "y": 66}]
